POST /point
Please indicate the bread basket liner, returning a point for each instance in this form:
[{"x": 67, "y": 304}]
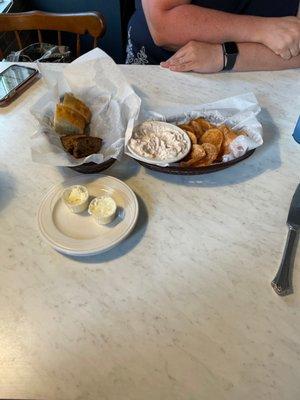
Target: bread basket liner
[{"x": 97, "y": 80}]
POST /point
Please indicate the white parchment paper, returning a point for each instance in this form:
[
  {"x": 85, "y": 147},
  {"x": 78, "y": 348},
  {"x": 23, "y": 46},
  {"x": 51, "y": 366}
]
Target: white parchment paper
[
  {"x": 98, "y": 81},
  {"x": 238, "y": 112}
]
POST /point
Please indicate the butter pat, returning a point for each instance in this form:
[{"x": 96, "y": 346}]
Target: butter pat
[
  {"x": 103, "y": 209},
  {"x": 76, "y": 198}
]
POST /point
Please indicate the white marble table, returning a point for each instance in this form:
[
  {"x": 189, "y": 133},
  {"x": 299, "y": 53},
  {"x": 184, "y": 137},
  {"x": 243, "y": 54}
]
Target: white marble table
[{"x": 183, "y": 309}]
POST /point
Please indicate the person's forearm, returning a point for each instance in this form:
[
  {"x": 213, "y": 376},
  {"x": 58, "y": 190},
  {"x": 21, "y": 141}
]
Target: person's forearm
[
  {"x": 208, "y": 58},
  {"x": 257, "y": 57},
  {"x": 174, "y": 27}
]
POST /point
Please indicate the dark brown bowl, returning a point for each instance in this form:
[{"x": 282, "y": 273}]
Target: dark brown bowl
[
  {"x": 175, "y": 170},
  {"x": 93, "y": 168}
]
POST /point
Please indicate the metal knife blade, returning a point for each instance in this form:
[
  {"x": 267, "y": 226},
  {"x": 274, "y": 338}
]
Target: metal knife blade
[{"x": 293, "y": 219}]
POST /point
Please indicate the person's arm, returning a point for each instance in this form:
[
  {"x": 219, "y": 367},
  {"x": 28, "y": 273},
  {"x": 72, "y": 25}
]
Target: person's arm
[
  {"x": 174, "y": 23},
  {"x": 257, "y": 57},
  {"x": 208, "y": 58}
]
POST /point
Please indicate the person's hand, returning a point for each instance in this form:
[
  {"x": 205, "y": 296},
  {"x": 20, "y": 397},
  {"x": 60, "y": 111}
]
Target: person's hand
[
  {"x": 197, "y": 57},
  {"x": 281, "y": 35}
]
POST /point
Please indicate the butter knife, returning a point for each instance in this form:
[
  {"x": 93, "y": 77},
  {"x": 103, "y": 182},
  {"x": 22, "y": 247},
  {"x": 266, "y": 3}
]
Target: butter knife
[{"x": 282, "y": 283}]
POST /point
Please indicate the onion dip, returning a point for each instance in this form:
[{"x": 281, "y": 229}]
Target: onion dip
[{"x": 159, "y": 141}]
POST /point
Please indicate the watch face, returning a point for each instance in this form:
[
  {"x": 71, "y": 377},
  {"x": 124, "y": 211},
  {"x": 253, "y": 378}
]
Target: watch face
[{"x": 231, "y": 48}]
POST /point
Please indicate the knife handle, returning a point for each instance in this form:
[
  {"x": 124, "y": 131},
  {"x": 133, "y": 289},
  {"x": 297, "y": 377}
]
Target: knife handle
[{"x": 282, "y": 283}]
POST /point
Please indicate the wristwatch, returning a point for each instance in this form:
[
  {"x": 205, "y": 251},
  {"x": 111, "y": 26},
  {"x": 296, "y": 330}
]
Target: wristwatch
[{"x": 230, "y": 53}]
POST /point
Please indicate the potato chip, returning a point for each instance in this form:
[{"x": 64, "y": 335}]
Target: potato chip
[
  {"x": 210, "y": 139},
  {"x": 213, "y": 136},
  {"x": 204, "y": 124},
  {"x": 224, "y": 128},
  {"x": 185, "y": 127},
  {"x": 190, "y": 131},
  {"x": 194, "y": 156},
  {"x": 198, "y": 131},
  {"x": 228, "y": 138},
  {"x": 192, "y": 136},
  {"x": 211, "y": 155}
]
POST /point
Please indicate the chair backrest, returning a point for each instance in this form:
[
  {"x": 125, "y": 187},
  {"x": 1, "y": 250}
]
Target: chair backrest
[{"x": 92, "y": 23}]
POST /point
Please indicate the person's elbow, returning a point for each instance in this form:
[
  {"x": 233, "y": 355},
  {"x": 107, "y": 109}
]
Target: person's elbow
[
  {"x": 159, "y": 29},
  {"x": 159, "y": 38},
  {"x": 166, "y": 38}
]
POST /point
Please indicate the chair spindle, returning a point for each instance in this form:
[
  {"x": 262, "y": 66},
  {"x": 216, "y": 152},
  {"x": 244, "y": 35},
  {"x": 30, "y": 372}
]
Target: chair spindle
[
  {"x": 40, "y": 36},
  {"x": 78, "y": 45},
  {"x": 59, "y": 37},
  {"x": 18, "y": 39}
]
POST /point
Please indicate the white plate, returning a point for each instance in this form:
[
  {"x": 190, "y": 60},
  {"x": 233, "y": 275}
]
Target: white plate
[
  {"x": 79, "y": 234},
  {"x": 160, "y": 125}
]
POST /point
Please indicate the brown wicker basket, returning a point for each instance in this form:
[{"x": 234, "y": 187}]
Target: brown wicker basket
[
  {"x": 175, "y": 170},
  {"x": 93, "y": 168}
]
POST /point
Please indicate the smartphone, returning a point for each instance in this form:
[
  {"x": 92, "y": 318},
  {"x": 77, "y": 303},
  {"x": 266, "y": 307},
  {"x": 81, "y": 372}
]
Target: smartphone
[{"x": 14, "y": 80}]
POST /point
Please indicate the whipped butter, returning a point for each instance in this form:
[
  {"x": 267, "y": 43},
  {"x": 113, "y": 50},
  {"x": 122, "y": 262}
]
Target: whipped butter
[
  {"x": 103, "y": 209},
  {"x": 76, "y": 198},
  {"x": 77, "y": 195},
  {"x": 159, "y": 141}
]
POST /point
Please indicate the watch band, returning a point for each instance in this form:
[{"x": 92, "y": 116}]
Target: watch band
[{"x": 230, "y": 53}]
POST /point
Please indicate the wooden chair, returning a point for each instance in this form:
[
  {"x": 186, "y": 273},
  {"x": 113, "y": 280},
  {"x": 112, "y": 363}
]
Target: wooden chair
[{"x": 92, "y": 23}]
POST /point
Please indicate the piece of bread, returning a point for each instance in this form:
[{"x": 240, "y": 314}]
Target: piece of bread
[
  {"x": 77, "y": 105},
  {"x": 85, "y": 146},
  {"x": 80, "y": 146},
  {"x": 68, "y": 142},
  {"x": 68, "y": 121}
]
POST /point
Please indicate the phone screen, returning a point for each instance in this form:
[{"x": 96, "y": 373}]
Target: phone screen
[{"x": 12, "y": 77}]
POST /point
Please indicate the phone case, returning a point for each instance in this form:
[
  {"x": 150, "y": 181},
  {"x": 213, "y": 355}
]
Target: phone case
[{"x": 19, "y": 90}]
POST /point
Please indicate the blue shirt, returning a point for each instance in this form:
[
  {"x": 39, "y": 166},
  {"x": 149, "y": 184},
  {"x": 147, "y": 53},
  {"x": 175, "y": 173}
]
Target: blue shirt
[{"x": 141, "y": 48}]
